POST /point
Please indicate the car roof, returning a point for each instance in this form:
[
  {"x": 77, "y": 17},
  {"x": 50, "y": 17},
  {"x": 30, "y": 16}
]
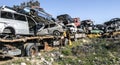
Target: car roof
[{"x": 8, "y": 9}]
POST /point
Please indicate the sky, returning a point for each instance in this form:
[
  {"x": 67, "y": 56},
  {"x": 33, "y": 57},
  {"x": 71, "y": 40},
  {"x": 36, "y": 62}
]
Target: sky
[{"x": 98, "y": 11}]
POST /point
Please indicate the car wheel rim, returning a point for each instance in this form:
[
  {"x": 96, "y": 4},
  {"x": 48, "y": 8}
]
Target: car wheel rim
[{"x": 33, "y": 51}]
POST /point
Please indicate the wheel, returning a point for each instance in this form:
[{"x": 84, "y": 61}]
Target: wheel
[
  {"x": 56, "y": 33},
  {"x": 31, "y": 49}
]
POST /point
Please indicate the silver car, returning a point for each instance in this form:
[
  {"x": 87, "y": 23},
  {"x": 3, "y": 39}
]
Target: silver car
[
  {"x": 12, "y": 22},
  {"x": 51, "y": 29}
]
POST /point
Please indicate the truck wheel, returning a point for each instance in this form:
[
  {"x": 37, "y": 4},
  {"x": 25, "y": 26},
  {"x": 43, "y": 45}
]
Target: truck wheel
[
  {"x": 31, "y": 49},
  {"x": 56, "y": 33}
]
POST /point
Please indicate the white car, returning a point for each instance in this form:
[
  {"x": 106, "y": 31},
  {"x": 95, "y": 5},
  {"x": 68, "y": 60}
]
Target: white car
[
  {"x": 15, "y": 23},
  {"x": 80, "y": 29},
  {"x": 51, "y": 29},
  {"x": 72, "y": 27}
]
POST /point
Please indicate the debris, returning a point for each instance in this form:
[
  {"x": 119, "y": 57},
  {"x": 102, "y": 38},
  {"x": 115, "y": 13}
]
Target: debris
[{"x": 23, "y": 63}]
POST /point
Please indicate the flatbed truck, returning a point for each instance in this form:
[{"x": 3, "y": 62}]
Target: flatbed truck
[{"x": 25, "y": 45}]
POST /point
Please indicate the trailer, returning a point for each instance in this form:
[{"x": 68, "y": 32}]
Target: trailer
[{"x": 26, "y": 46}]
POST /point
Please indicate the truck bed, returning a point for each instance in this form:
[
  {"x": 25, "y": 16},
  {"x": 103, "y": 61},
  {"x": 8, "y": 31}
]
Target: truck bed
[{"x": 26, "y": 39}]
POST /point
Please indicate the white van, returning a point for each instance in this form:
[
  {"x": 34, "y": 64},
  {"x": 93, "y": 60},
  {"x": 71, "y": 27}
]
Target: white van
[{"x": 12, "y": 22}]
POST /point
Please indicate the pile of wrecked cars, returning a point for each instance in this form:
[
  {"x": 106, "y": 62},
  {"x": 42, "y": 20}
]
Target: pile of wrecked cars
[{"x": 23, "y": 31}]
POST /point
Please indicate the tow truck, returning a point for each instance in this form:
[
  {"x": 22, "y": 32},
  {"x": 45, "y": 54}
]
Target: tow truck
[{"x": 18, "y": 34}]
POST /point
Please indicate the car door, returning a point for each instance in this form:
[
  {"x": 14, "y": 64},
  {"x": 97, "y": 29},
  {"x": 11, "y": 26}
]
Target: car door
[
  {"x": 6, "y": 18},
  {"x": 43, "y": 30},
  {"x": 20, "y": 24},
  {"x": 31, "y": 25},
  {"x": 52, "y": 28}
]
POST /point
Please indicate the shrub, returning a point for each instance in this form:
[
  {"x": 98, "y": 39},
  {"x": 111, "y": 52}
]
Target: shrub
[{"x": 67, "y": 51}]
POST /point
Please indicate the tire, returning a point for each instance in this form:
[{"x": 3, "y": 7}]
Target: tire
[
  {"x": 31, "y": 49},
  {"x": 56, "y": 33}
]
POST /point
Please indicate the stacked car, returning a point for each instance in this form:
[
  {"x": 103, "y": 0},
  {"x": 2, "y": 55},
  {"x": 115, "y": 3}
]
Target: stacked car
[
  {"x": 23, "y": 28},
  {"x": 29, "y": 28},
  {"x": 112, "y": 28}
]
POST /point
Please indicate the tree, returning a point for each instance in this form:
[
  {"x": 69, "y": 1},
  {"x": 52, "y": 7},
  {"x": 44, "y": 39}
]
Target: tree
[{"x": 26, "y": 4}]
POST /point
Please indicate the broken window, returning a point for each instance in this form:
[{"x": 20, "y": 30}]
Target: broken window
[
  {"x": 46, "y": 26},
  {"x": 19, "y": 17},
  {"x": 52, "y": 25},
  {"x": 31, "y": 22},
  {"x": 7, "y": 15}
]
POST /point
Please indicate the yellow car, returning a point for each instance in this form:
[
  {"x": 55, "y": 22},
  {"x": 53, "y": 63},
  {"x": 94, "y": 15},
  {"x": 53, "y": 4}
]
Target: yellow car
[{"x": 94, "y": 35}]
